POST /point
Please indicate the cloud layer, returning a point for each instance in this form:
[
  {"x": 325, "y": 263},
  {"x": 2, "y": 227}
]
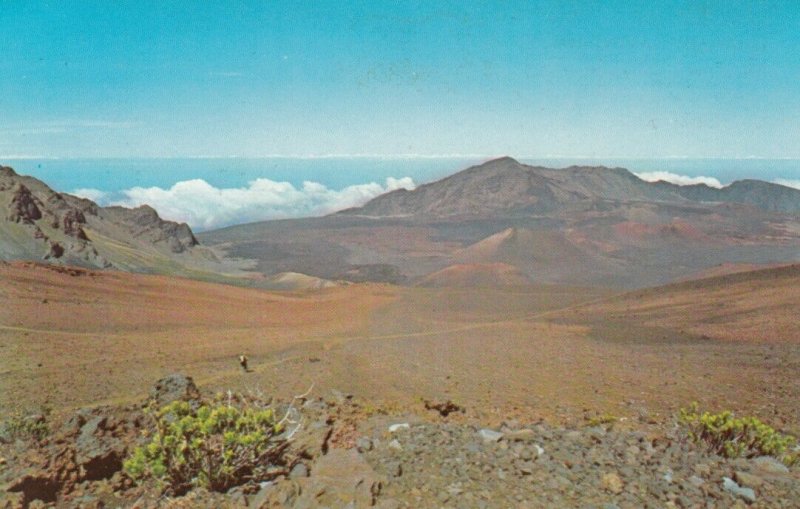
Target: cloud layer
[
  {"x": 788, "y": 183},
  {"x": 684, "y": 180},
  {"x": 681, "y": 180},
  {"x": 206, "y": 207}
]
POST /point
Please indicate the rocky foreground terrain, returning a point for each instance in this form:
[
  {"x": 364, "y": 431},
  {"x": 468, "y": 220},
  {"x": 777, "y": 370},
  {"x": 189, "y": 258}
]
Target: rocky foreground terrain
[{"x": 348, "y": 453}]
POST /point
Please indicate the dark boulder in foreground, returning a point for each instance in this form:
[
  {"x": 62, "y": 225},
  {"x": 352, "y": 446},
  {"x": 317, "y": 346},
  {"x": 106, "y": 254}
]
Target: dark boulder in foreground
[{"x": 173, "y": 388}]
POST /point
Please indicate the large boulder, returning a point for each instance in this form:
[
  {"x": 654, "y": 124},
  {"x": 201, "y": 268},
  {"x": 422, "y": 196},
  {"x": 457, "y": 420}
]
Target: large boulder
[
  {"x": 97, "y": 450},
  {"x": 342, "y": 478},
  {"x": 173, "y": 388}
]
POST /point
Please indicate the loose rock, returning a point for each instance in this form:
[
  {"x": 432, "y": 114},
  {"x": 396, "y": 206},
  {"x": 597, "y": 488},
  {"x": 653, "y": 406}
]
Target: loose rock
[
  {"x": 611, "y": 482},
  {"x": 488, "y": 435},
  {"x": 174, "y": 387},
  {"x": 732, "y": 487}
]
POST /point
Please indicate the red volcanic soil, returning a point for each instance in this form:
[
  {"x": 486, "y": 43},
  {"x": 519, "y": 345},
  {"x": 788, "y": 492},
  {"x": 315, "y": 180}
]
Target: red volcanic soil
[
  {"x": 476, "y": 275},
  {"x": 752, "y": 306},
  {"x": 76, "y": 336},
  {"x": 71, "y": 337}
]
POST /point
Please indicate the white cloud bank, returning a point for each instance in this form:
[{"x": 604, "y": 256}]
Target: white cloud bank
[
  {"x": 206, "y": 207},
  {"x": 788, "y": 183},
  {"x": 681, "y": 180},
  {"x": 684, "y": 180},
  {"x": 95, "y": 195}
]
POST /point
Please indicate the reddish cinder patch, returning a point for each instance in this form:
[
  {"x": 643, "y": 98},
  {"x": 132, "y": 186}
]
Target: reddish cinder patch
[{"x": 476, "y": 275}]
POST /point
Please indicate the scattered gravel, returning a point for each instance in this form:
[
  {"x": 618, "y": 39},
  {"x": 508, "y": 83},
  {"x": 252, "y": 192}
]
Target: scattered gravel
[{"x": 449, "y": 465}]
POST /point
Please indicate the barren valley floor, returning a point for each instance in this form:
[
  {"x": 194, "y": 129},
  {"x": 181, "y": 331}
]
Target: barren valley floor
[{"x": 558, "y": 354}]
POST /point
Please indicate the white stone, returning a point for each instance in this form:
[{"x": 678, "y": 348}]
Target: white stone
[{"x": 489, "y": 435}]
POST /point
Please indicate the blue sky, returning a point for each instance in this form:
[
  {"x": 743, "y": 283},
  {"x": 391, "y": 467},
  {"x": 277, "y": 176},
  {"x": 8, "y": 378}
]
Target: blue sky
[{"x": 572, "y": 79}]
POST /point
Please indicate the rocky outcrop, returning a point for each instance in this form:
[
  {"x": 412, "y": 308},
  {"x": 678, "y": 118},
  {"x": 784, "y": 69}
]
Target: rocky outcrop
[
  {"x": 56, "y": 251},
  {"x": 23, "y": 207},
  {"x": 59, "y": 228},
  {"x": 342, "y": 478},
  {"x": 97, "y": 450},
  {"x": 175, "y": 387},
  {"x": 144, "y": 222},
  {"x": 72, "y": 222},
  {"x": 90, "y": 446}
]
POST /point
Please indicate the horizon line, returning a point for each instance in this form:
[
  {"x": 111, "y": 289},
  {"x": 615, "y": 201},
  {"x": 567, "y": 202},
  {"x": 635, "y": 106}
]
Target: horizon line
[{"x": 22, "y": 157}]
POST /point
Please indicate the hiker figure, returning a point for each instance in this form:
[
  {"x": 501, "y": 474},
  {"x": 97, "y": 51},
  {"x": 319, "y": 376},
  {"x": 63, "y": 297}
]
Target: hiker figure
[{"x": 243, "y": 362}]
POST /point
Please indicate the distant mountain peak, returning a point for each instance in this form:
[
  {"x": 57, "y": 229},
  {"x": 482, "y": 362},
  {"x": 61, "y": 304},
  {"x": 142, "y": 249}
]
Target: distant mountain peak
[
  {"x": 504, "y": 163},
  {"x": 498, "y": 161},
  {"x": 504, "y": 187}
]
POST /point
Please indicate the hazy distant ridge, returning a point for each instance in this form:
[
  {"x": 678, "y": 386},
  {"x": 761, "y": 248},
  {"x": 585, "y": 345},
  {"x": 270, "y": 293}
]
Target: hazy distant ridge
[{"x": 505, "y": 186}]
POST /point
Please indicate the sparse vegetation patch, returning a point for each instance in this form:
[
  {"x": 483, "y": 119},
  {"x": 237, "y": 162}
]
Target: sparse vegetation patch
[
  {"x": 601, "y": 420},
  {"x": 22, "y": 425},
  {"x": 215, "y": 446},
  {"x": 732, "y": 437}
]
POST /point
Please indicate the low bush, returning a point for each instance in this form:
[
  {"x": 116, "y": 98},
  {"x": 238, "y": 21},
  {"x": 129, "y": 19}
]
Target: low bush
[
  {"x": 601, "y": 420},
  {"x": 215, "y": 446},
  {"x": 734, "y": 437},
  {"x": 21, "y": 425}
]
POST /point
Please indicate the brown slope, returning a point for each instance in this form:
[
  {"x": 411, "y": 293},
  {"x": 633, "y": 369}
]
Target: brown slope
[
  {"x": 725, "y": 269},
  {"x": 524, "y": 247},
  {"x": 476, "y": 275},
  {"x": 71, "y": 335},
  {"x": 757, "y": 306},
  {"x": 546, "y": 256}
]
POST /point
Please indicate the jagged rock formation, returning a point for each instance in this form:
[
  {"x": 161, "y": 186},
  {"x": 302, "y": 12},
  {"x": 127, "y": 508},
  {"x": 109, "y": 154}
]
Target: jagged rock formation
[
  {"x": 40, "y": 223},
  {"x": 144, "y": 222},
  {"x": 23, "y": 207}
]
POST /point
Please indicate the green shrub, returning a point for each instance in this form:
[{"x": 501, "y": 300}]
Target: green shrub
[
  {"x": 215, "y": 446},
  {"x": 733, "y": 437},
  {"x": 601, "y": 420},
  {"x": 20, "y": 425}
]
